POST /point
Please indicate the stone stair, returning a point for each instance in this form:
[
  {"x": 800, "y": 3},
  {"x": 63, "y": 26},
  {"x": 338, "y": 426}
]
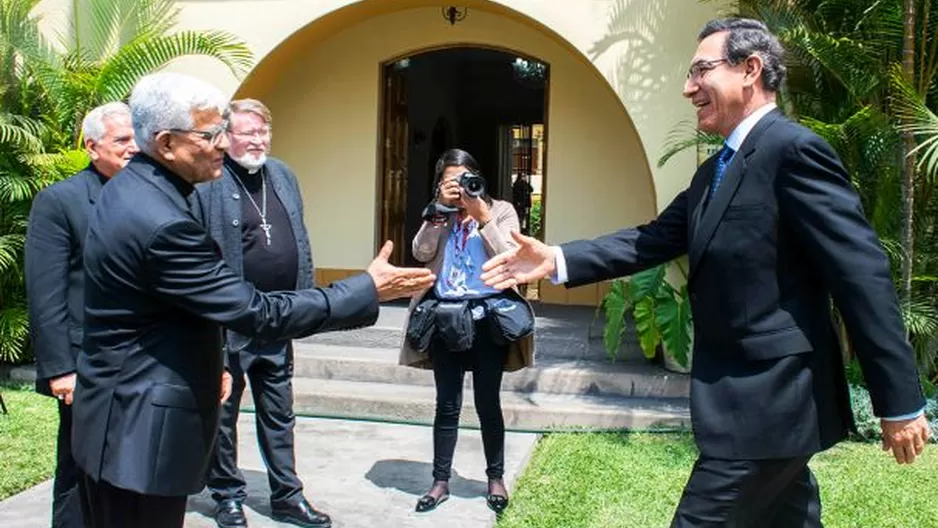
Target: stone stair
[{"x": 355, "y": 374}]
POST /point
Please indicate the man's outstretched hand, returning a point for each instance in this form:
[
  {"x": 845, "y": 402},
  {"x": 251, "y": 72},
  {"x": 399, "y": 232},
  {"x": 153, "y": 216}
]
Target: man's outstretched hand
[
  {"x": 393, "y": 282},
  {"x": 906, "y": 438},
  {"x": 532, "y": 260}
]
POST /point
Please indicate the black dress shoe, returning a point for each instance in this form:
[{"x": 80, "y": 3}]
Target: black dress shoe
[
  {"x": 230, "y": 514},
  {"x": 301, "y": 514},
  {"x": 428, "y": 502}
]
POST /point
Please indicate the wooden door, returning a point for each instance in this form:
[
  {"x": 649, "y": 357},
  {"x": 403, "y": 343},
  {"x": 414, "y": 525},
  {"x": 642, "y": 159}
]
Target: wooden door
[{"x": 394, "y": 164}]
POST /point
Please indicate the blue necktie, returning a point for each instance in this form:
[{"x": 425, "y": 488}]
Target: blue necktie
[{"x": 725, "y": 155}]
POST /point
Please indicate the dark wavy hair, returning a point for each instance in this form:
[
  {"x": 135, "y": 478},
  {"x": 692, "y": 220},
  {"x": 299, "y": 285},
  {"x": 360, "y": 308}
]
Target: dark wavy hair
[
  {"x": 749, "y": 37},
  {"x": 457, "y": 158}
]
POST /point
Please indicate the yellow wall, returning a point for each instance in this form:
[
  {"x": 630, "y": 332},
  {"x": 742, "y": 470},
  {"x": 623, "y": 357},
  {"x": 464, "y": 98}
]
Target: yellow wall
[
  {"x": 323, "y": 87},
  {"x": 640, "y": 47},
  {"x": 326, "y": 111}
]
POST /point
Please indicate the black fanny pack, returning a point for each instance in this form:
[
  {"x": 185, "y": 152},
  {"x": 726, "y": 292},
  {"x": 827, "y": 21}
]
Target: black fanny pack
[
  {"x": 450, "y": 321},
  {"x": 509, "y": 319}
]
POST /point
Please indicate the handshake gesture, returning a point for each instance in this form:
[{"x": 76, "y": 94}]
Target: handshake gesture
[{"x": 393, "y": 282}]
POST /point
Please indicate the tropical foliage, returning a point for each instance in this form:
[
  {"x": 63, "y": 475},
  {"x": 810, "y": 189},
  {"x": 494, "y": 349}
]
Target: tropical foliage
[
  {"x": 863, "y": 74},
  {"x": 660, "y": 312},
  {"x": 48, "y": 84}
]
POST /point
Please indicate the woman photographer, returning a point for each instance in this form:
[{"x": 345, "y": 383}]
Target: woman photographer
[{"x": 462, "y": 325}]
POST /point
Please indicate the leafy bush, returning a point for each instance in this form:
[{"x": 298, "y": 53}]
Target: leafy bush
[{"x": 868, "y": 429}]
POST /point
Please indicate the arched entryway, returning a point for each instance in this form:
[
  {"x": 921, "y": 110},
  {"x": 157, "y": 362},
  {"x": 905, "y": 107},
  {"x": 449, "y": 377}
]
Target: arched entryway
[
  {"x": 326, "y": 88},
  {"x": 487, "y": 101}
]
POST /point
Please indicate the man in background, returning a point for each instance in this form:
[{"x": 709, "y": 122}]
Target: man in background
[
  {"x": 55, "y": 279},
  {"x": 255, "y": 213}
]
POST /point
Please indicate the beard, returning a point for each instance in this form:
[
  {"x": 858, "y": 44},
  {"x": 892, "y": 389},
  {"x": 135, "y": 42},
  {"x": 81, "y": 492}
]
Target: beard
[{"x": 250, "y": 162}]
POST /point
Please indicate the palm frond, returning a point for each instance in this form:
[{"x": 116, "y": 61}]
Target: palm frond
[
  {"x": 920, "y": 317},
  {"x": 154, "y": 18},
  {"x": 20, "y": 132},
  {"x": 684, "y": 136},
  {"x": 845, "y": 60},
  {"x": 893, "y": 249},
  {"x": 14, "y": 332},
  {"x": 144, "y": 56},
  {"x": 918, "y": 119},
  {"x": 113, "y": 23},
  {"x": 11, "y": 250},
  {"x": 105, "y": 21}
]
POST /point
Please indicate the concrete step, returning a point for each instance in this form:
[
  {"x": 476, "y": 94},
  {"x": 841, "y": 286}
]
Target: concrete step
[
  {"x": 571, "y": 336},
  {"x": 415, "y": 404},
  {"x": 572, "y": 343},
  {"x": 549, "y": 375}
]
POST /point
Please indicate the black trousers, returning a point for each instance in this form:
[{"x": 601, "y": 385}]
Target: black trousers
[
  {"x": 486, "y": 360},
  {"x": 779, "y": 493},
  {"x": 107, "y": 506},
  {"x": 66, "y": 501},
  {"x": 269, "y": 370}
]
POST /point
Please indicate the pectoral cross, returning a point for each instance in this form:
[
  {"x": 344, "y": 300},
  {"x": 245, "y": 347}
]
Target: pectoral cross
[{"x": 266, "y": 227}]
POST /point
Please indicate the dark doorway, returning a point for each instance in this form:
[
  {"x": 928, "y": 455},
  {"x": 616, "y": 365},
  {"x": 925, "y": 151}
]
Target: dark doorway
[{"x": 488, "y": 102}]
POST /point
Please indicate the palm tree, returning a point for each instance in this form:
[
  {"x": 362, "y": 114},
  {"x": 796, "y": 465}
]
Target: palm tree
[
  {"x": 47, "y": 87},
  {"x": 862, "y": 74}
]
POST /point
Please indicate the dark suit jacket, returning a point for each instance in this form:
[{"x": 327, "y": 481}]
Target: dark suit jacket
[
  {"x": 221, "y": 214},
  {"x": 157, "y": 293},
  {"x": 784, "y": 233},
  {"x": 55, "y": 278}
]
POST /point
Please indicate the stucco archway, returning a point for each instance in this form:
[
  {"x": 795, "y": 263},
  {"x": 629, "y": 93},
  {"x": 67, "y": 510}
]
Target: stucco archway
[{"x": 323, "y": 84}]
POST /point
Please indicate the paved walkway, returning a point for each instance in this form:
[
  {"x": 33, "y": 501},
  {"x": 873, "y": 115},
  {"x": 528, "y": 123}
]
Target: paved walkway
[{"x": 363, "y": 474}]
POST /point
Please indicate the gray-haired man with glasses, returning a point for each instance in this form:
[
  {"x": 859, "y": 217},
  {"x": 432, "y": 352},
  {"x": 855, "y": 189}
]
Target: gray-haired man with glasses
[
  {"x": 157, "y": 295},
  {"x": 255, "y": 212}
]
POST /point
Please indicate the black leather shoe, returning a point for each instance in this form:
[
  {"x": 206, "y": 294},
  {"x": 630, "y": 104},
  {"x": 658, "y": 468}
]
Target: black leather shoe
[
  {"x": 429, "y": 503},
  {"x": 230, "y": 514},
  {"x": 301, "y": 514},
  {"x": 497, "y": 503}
]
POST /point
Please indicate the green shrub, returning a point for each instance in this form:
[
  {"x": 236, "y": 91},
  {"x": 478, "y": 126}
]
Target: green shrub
[{"x": 868, "y": 429}]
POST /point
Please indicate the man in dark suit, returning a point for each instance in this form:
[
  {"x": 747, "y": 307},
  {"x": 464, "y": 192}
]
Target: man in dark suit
[
  {"x": 55, "y": 236},
  {"x": 773, "y": 230},
  {"x": 157, "y": 295},
  {"x": 255, "y": 213}
]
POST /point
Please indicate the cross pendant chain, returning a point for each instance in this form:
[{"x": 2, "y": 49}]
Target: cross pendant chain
[{"x": 262, "y": 210}]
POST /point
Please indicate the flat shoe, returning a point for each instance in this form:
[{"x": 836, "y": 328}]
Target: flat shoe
[
  {"x": 427, "y": 502},
  {"x": 496, "y": 503}
]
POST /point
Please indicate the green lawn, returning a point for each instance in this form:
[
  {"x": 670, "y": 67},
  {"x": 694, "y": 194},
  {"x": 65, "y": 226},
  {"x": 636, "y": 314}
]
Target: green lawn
[
  {"x": 27, "y": 438},
  {"x": 635, "y": 481},
  {"x": 582, "y": 480}
]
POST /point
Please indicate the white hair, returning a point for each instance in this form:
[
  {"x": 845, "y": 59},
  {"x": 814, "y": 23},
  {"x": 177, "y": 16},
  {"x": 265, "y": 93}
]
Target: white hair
[
  {"x": 93, "y": 128},
  {"x": 165, "y": 100}
]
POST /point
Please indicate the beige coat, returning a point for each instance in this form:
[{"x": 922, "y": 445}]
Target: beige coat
[{"x": 428, "y": 247}]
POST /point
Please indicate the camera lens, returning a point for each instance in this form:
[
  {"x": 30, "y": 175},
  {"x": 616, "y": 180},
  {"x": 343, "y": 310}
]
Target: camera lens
[{"x": 472, "y": 184}]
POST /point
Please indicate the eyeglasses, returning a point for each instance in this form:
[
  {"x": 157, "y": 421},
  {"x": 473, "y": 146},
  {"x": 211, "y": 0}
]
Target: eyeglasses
[
  {"x": 262, "y": 133},
  {"x": 700, "y": 68},
  {"x": 212, "y": 135}
]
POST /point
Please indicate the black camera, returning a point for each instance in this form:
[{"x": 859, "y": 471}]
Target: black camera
[{"x": 472, "y": 184}]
